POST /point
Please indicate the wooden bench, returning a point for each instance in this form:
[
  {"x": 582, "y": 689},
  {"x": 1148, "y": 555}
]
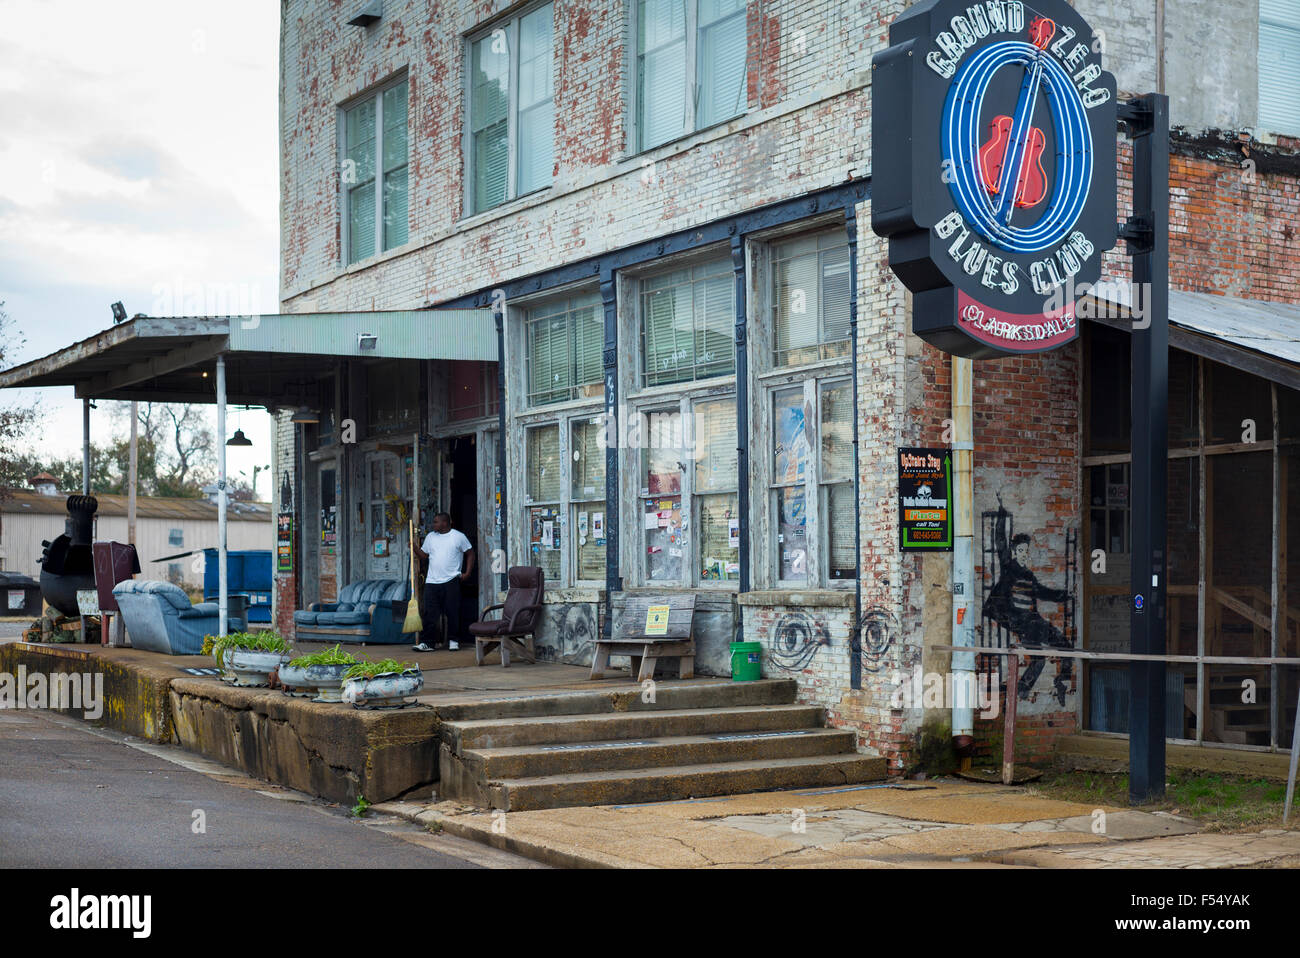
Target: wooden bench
[{"x": 677, "y": 639}]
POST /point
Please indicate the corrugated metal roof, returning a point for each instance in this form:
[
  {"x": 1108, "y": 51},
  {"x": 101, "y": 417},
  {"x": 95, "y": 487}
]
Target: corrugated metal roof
[
  {"x": 1269, "y": 328},
  {"x": 146, "y": 507}
]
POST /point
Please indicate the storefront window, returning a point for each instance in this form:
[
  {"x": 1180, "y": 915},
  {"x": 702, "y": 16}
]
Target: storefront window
[
  {"x": 836, "y": 478},
  {"x": 543, "y": 492},
  {"x": 716, "y": 500},
  {"x": 790, "y": 472},
  {"x": 661, "y": 497},
  {"x": 587, "y": 499}
]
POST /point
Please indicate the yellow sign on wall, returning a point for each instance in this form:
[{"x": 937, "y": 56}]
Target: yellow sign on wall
[{"x": 656, "y": 620}]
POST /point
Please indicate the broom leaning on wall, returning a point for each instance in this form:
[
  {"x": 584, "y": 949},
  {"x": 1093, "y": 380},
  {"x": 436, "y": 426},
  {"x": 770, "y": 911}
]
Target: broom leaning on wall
[{"x": 413, "y": 622}]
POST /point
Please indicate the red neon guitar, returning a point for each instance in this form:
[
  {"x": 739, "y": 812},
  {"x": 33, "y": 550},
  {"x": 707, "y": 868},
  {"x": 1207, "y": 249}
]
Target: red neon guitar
[{"x": 1030, "y": 187}]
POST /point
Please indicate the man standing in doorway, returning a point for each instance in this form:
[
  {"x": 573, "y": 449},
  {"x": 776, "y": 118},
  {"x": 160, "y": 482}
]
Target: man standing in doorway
[{"x": 444, "y": 547}]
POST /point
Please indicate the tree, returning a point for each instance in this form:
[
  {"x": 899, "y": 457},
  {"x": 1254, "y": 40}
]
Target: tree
[
  {"x": 176, "y": 451},
  {"x": 16, "y": 421}
]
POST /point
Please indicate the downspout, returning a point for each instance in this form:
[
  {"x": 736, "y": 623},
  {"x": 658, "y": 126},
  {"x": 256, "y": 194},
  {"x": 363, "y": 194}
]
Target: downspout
[
  {"x": 742, "y": 422},
  {"x": 963, "y": 562},
  {"x": 855, "y": 635}
]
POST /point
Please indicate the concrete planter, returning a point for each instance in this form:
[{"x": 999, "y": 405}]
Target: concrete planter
[
  {"x": 388, "y": 690},
  {"x": 296, "y": 679},
  {"x": 328, "y": 681},
  {"x": 253, "y": 668}
]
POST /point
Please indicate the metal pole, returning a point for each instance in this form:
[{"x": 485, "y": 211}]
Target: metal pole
[
  {"x": 1295, "y": 753},
  {"x": 223, "y": 599},
  {"x": 1148, "y": 233},
  {"x": 85, "y": 447},
  {"x": 135, "y": 472}
]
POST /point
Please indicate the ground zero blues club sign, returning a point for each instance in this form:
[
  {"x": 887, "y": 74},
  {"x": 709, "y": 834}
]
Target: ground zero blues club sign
[{"x": 993, "y": 171}]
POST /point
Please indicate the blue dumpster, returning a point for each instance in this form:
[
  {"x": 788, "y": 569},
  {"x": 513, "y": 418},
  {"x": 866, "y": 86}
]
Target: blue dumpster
[{"x": 248, "y": 571}]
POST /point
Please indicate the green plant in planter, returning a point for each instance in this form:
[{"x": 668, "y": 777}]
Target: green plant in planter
[
  {"x": 368, "y": 670},
  {"x": 269, "y": 641},
  {"x": 334, "y": 656}
]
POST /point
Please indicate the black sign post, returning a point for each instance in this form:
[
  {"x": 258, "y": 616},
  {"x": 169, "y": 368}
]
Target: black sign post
[{"x": 1147, "y": 233}]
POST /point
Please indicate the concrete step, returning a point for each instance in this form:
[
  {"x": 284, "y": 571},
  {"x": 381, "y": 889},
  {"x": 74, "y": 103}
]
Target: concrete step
[
  {"x": 494, "y": 764},
  {"x": 636, "y": 786},
  {"x": 625, "y": 697},
  {"x": 567, "y": 729}
]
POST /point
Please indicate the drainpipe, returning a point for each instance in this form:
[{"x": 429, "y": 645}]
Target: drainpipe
[
  {"x": 503, "y": 509},
  {"x": 963, "y": 562},
  {"x": 613, "y": 444}
]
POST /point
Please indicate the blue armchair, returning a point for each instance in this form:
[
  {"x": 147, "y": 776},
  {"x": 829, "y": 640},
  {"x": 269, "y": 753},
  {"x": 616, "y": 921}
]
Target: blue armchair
[
  {"x": 159, "y": 617},
  {"x": 367, "y": 611}
]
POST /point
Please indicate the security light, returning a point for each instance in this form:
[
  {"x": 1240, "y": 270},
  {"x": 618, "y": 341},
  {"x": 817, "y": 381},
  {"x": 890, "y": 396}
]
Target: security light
[
  {"x": 119, "y": 312},
  {"x": 367, "y": 340}
]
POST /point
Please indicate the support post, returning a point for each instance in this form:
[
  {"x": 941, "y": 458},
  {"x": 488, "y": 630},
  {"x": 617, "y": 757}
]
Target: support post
[
  {"x": 742, "y": 421},
  {"x": 223, "y": 599},
  {"x": 85, "y": 447},
  {"x": 1148, "y": 235},
  {"x": 134, "y": 477},
  {"x": 1009, "y": 719},
  {"x": 855, "y": 636},
  {"x": 499, "y": 311},
  {"x": 614, "y": 431}
]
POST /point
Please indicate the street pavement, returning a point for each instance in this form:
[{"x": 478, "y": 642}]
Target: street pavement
[{"x": 75, "y": 796}]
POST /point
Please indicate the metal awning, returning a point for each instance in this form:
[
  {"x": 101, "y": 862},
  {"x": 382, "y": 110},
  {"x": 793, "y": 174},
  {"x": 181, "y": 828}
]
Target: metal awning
[
  {"x": 270, "y": 358},
  {"x": 1252, "y": 335}
]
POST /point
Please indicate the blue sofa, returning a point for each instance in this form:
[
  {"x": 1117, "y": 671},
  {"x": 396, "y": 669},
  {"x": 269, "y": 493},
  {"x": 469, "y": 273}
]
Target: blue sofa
[
  {"x": 160, "y": 618},
  {"x": 363, "y": 613}
]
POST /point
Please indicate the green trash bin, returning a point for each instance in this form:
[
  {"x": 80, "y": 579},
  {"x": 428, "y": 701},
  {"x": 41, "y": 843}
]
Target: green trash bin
[{"x": 746, "y": 661}]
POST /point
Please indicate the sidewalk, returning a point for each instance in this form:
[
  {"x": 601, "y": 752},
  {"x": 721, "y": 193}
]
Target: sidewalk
[{"x": 941, "y": 824}]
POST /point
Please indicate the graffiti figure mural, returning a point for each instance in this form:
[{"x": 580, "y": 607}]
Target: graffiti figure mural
[{"x": 1013, "y": 604}]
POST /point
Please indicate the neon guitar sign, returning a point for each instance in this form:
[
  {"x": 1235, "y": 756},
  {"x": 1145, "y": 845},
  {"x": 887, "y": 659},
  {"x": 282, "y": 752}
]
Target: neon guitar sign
[{"x": 993, "y": 176}]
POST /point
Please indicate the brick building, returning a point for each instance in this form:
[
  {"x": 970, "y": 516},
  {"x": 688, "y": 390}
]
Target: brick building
[{"x": 667, "y": 202}]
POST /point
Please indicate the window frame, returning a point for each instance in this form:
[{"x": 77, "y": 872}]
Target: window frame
[
  {"x": 768, "y": 379},
  {"x": 1277, "y": 25},
  {"x": 568, "y": 305},
  {"x": 345, "y": 190},
  {"x": 639, "y": 372},
  {"x": 511, "y": 26},
  {"x": 691, "y": 123}
]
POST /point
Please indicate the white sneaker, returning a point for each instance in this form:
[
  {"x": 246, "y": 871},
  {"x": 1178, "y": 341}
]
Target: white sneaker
[
  {"x": 421, "y": 648},
  {"x": 453, "y": 646}
]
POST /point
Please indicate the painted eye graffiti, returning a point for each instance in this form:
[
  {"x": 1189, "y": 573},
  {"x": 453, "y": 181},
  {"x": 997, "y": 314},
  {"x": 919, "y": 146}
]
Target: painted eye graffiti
[
  {"x": 877, "y": 635},
  {"x": 795, "y": 640}
]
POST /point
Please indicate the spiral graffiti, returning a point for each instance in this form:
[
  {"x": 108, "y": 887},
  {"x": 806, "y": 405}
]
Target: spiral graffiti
[{"x": 795, "y": 639}]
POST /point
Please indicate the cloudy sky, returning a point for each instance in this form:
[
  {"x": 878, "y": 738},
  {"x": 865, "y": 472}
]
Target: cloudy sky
[{"x": 138, "y": 162}]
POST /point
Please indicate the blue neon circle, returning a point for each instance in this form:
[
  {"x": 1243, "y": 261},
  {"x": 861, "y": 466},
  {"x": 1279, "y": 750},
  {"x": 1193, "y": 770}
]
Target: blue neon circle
[{"x": 960, "y": 141}]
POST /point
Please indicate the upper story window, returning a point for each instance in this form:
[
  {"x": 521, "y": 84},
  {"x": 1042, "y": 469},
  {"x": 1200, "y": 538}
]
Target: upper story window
[
  {"x": 511, "y": 109},
  {"x": 392, "y": 396},
  {"x": 690, "y": 66},
  {"x": 688, "y": 324},
  {"x": 375, "y": 198},
  {"x": 565, "y": 342},
  {"x": 1279, "y": 67},
  {"x": 810, "y": 298},
  {"x": 176, "y": 537}
]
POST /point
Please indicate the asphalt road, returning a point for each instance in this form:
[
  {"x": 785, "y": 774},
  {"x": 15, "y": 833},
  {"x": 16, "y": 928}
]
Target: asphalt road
[{"x": 74, "y": 796}]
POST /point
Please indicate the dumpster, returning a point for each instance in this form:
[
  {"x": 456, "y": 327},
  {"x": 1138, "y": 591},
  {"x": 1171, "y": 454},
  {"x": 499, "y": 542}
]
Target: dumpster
[
  {"x": 22, "y": 594},
  {"x": 248, "y": 572}
]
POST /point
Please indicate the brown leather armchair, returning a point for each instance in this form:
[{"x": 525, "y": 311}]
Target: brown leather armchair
[{"x": 521, "y": 613}]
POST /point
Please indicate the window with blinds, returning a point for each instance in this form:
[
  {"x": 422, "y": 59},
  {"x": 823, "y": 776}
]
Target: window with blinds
[
  {"x": 374, "y": 173},
  {"x": 511, "y": 109},
  {"x": 1279, "y": 67},
  {"x": 810, "y": 298},
  {"x": 564, "y": 345},
  {"x": 690, "y": 67},
  {"x": 688, "y": 324}
]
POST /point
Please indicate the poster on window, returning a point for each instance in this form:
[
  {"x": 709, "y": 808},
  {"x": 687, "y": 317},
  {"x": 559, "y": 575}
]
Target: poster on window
[{"x": 925, "y": 500}]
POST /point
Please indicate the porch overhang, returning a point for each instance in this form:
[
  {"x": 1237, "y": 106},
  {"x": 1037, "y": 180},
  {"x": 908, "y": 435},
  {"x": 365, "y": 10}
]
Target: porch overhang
[{"x": 271, "y": 359}]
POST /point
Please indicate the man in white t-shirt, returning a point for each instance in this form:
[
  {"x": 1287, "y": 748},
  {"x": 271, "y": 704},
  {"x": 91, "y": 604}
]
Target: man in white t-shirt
[{"x": 445, "y": 548}]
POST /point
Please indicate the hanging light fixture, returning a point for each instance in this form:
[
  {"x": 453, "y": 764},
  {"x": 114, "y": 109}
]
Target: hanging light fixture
[
  {"x": 303, "y": 414},
  {"x": 239, "y": 439}
]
